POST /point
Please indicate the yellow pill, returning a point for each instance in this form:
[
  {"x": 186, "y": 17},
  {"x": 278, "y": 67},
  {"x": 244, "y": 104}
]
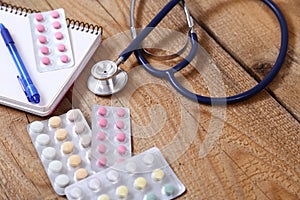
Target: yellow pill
[
  {"x": 67, "y": 147},
  {"x": 61, "y": 134},
  {"x": 140, "y": 183},
  {"x": 122, "y": 191},
  {"x": 81, "y": 174},
  {"x": 103, "y": 197},
  {"x": 74, "y": 160},
  {"x": 55, "y": 122},
  {"x": 158, "y": 175}
]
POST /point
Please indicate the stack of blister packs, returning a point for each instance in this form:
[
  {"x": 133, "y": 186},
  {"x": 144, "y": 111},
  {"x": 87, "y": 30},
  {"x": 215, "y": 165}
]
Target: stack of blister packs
[{"x": 97, "y": 164}]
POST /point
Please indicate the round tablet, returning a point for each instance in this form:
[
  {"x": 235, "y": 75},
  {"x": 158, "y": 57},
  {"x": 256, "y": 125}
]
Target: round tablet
[
  {"x": 76, "y": 193},
  {"x": 122, "y": 191},
  {"x": 121, "y": 112},
  {"x": 131, "y": 167},
  {"x": 55, "y": 166},
  {"x": 42, "y": 39},
  {"x": 55, "y": 14},
  {"x": 113, "y": 175},
  {"x": 61, "y": 134},
  {"x": 140, "y": 183},
  {"x": 49, "y": 153},
  {"x": 157, "y": 174},
  {"x": 67, "y": 147},
  {"x": 62, "y": 180},
  {"x": 55, "y": 122},
  {"x": 150, "y": 196},
  {"x": 103, "y": 197},
  {"x": 72, "y": 115},
  {"x": 39, "y": 17},
  {"x": 121, "y": 150},
  {"x": 101, "y": 148},
  {"x": 44, "y": 50},
  {"x": 37, "y": 127},
  {"x": 59, "y": 35},
  {"x": 101, "y": 136},
  {"x": 64, "y": 58},
  {"x": 148, "y": 159},
  {"x": 102, "y": 162},
  {"x": 40, "y": 28},
  {"x": 56, "y": 24},
  {"x": 168, "y": 189},
  {"x": 120, "y": 124},
  {"x": 102, "y": 111},
  {"x": 46, "y": 61},
  {"x": 43, "y": 139},
  {"x": 102, "y": 122},
  {"x": 94, "y": 184},
  {"x": 61, "y": 47},
  {"x": 121, "y": 137},
  {"x": 74, "y": 160},
  {"x": 79, "y": 127},
  {"x": 81, "y": 174},
  {"x": 85, "y": 141}
]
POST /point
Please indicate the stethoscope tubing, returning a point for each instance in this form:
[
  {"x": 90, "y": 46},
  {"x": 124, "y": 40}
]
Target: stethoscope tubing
[{"x": 170, "y": 74}]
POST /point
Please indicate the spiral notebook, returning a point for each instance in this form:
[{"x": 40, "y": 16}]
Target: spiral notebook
[{"x": 52, "y": 86}]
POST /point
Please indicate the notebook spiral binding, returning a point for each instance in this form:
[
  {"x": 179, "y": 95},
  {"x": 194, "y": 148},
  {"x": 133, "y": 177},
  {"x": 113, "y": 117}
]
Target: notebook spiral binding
[{"x": 71, "y": 23}]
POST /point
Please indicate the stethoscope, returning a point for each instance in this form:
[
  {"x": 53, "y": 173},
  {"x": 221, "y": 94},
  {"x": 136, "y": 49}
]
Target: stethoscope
[{"x": 107, "y": 77}]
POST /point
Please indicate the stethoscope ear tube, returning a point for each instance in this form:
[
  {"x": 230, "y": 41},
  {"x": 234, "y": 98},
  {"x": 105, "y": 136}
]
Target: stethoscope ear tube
[{"x": 169, "y": 74}]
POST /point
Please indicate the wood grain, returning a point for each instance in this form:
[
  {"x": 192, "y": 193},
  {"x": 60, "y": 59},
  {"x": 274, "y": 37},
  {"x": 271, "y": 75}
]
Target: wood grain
[{"x": 248, "y": 150}]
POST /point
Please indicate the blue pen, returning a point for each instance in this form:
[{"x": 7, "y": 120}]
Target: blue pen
[{"x": 24, "y": 78}]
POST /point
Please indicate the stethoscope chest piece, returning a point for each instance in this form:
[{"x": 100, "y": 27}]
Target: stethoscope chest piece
[{"x": 106, "y": 78}]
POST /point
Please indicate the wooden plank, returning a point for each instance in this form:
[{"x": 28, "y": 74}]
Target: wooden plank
[{"x": 249, "y": 31}]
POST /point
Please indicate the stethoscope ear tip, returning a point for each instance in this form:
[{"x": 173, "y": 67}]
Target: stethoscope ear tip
[{"x": 106, "y": 79}]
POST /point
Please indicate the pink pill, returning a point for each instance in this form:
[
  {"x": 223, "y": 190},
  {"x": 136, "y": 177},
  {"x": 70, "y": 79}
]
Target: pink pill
[
  {"x": 42, "y": 39},
  {"x": 59, "y": 35},
  {"x": 64, "y": 58},
  {"x": 102, "y": 111},
  {"x": 102, "y": 122},
  {"x": 121, "y": 112},
  {"x": 45, "y": 60},
  {"x": 39, "y": 17},
  {"x": 120, "y": 124},
  {"x": 55, "y": 14},
  {"x": 101, "y": 136},
  {"x": 102, "y": 161},
  {"x": 45, "y": 50},
  {"x": 61, "y": 47},
  {"x": 121, "y": 137},
  {"x": 121, "y": 150},
  {"x": 101, "y": 148},
  {"x": 40, "y": 28},
  {"x": 56, "y": 25}
]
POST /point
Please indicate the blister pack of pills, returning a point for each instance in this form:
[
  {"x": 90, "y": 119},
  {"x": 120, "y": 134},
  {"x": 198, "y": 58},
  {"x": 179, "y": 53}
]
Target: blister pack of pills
[
  {"x": 51, "y": 41},
  {"x": 111, "y": 136},
  {"x": 63, "y": 145},
  {"x": 146, "y": 176}
]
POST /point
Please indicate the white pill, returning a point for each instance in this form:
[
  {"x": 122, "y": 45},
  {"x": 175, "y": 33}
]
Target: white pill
[
  {"x": 76, "y": 193},
  {"x": 131, "y": 167},
  {"x": 148, "y": 159},
  {"x": 72, "y": 115},
  {"x": 43, "y": 139},
  {"x": 79, "y": 127},
  {"x": 55, "y": 166},
  {"x": 62, "y": 180},
  {"x": 37, "y": 126},
  {"x": 94, "y": 184},
  {"x": 85, "y": 140},
  {"x": 49, "y": 153},
  {"x": 112, "y": 175}
]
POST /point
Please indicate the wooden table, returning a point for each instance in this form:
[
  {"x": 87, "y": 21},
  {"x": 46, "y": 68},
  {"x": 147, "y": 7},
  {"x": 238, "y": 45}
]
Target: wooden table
[{"x": 248, "y": 150}]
